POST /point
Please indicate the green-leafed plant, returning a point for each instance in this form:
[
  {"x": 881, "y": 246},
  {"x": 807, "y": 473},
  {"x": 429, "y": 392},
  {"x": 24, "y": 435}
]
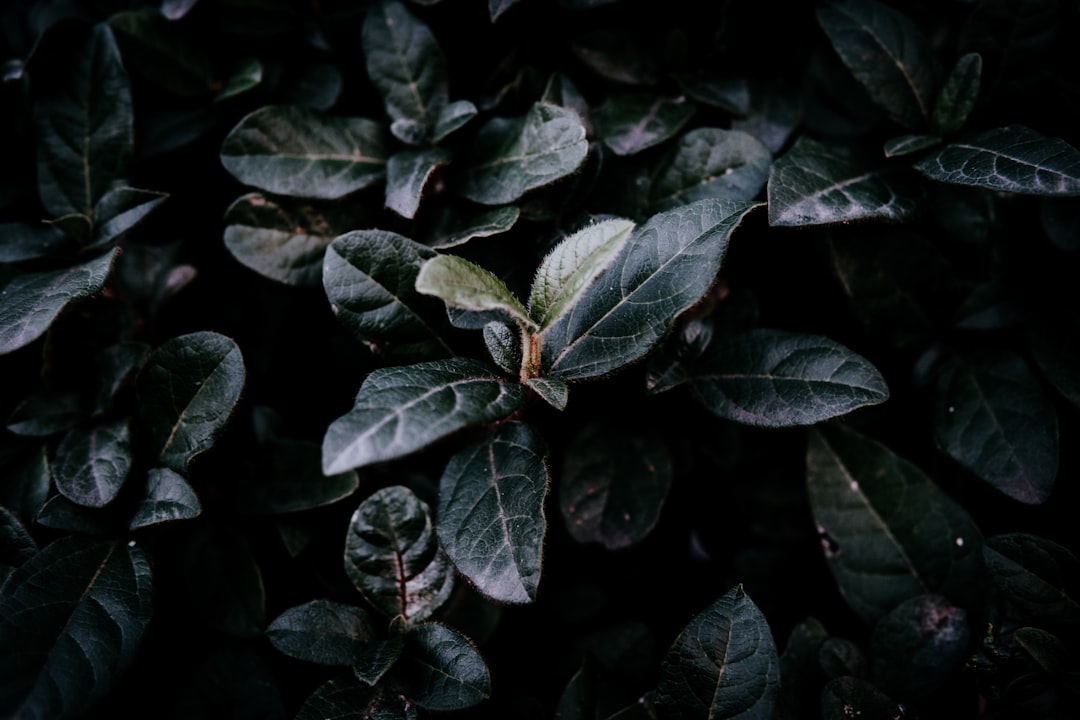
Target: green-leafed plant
[{"x": 581, "y": 359}]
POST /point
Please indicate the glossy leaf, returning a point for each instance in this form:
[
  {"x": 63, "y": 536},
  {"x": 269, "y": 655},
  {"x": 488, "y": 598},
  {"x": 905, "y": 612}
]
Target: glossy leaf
[
  {"x": 631, "y": 123},
  {"x": 722, "y": 665},
  {"x": 553, "y": 391},
  {"x": 666, "y": 266},
  {"x": 887, "y": 54},
  {"x": 711, "y": 163},
  {"x": 33, "y": 300},
  {"x": 157, "y": 49},
  {"x": 441, "y": 670},
  {"x": 814, "y": 184},
  {"x": 167, "y": 498},
  {"x": 909, "y": 144},
  {"x": 323, "y": 632},
  {"x": 223, "y": 581},
  {"x": 348, "y": 699},
  {"x": 292, "y": 150},
  {"x": 71, "y": 619},
  {"x": 918, "y": 645},
  {"x": 613, "y": 485},
  {"x": 453, "y": 117},
  {"x": 774, "y": 378},
  {"x": 466, "y": 286},
  {"x": 457, "y": 228},
  {"x": 888, "y": 533},
  {"x": 289, "y": 478},
  {"x": 187, "y": 391},
  {"x": 1036, "y": 576},
  {"x": 392, "y": 555},
  {"x": 511, "y": 156},
  {"x": 491, "y": 512},
  {"x": 958, "y": 95},
  {"x": 245, "y": 74},
  {"x": 991, "y": 416},
  {"x": 1008, "y": 159},
  {"x": 92, "y": 463},
  {"x": 407, "y": 173}
]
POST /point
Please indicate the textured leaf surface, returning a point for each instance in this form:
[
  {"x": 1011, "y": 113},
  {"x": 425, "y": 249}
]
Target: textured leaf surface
[
  {"x": 889, "y": 534},
  {"x": 71, "y": 619},
  {"x": 511, "y": 156},
  {"x": 711, "y": 163},
  {"x": 774, "y": 378},
  {"x": 168, "y": 497},
  {"x": 464, "y": 285},
  {"x": 491, "y": 512},
  {"x": 295, "y": 151},
  {"x": 666, "y": 266},
  {"x": 406, "y": 175},
  {"x": 392, "y": 555},
  {"x": 187, "y": 391},
  {"x": 631, "y": 123},
  {"x": 553, "y": 391},
  {"x": 918, "y": 645},
  {"x": 503, "y": 343},
  {"x": 992, "y": 416},
  {"x": 958, "y": 95},
  {"x": 722, "y": 665},
  {"x": 33, "y": 300},
  {"x": 347, "y": 699},
  {"x": 453, "y": 117},
  {"x": 441, "y": 670},
  {"x": 373, "y": 661},
  {"x": 815, "y": 184},
  {"x": 1038, "y": 578},
  {"x": 92, "y": 463},
  {"x": 457, "y": 227},
  {"x": 322, "y": 631}
]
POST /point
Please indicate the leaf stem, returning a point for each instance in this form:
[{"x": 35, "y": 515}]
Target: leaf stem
[{"x": 530, "y": 354}]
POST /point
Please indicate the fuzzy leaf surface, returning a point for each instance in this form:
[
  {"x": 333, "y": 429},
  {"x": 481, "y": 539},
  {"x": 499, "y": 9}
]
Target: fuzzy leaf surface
[
  {"x": 441, "y": 670},
  {"x": 323, "y": 632},
  {"x": 464, "y": 285},
  {"x": 553, "y": 391},
  {"x": 167, "y": 498},
  {"x": 92, "y": 463},
  {"x": 407, "y": 173},
  {"x": 631, "y": 123},
  {"x": 711, "y": 162}
]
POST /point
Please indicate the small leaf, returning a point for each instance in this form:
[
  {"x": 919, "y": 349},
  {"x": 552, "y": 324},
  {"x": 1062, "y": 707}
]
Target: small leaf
[
  {"x": 560, "y": 90},
  {"x": 348, "y": 699},
  {"x": 1037, "y": 577},
  {"x": 722, "y": 665},
  {"x": 457, "y": 228},
  {"x": 613, "y": 485},
  {"x": 464, "y": 285},
  {"x": 224, "y": 583},
  {"x": 295, "y": 151},
  {"x": 120, "y": 210},
  {"x": 504, "y": 345},
  {"x": 491, "y": 512},
  {"x": 631, "y": 123},
  {"x": 909, "y": 144},
  {"x": 452, "y": 118},
  {"x": 958, "y": 95},
  {"x": 406, "y": 175},
  {"x": 991, "y": 416},
  {"x": 815, "y": 184},
  {"x": 918, "y": 645},
  {"x": 46, "y": 413},
  {"x": 711, "y": 163},
  {"x": 33, "y": 300},
  {"x": 323, "y": 632},
  {"x": 158, "y": 50},
  {"x": 1009, "y": 159},
  {"x": 245, "y": 74},
  {"x": 552, "y": 390},
  {"x": 167, "y": 498},
  {"x": 511, "y": 156},
  {"x": 92, "y": 463},
  {"x": 392, "y": 555},
  {"x": 441, "y": 670},
  {"x": 798, "y": 669},
  {"x": 289, "y": 478},
  {"x": 773, "y": 378},
  {"x": 672, "y": 365}
]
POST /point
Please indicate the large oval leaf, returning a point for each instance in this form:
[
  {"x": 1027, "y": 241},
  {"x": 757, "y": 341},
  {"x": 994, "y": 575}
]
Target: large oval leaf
[
  {"x": 400, "y": 410},
  {"x": 392, "y": 555},
  {"x": 491, "y": 512},
  {"x": 666, "y": 266},
  {"x": 71, "y": 619},
  {"x": 322, "y": 631},
  {"x": 711, "y": 163},
  {"x": 889, "y": 534},
  {"x": 773, "y": 378},
  {"x": 633, "y": 122},
  {"x": 293, "y": 150},
  {"x": 92, "y": 463},
  {"x": 441, "y": 670},
  {"x": 1038, "y": 578},
  {"x": 187, "y": 391},
  {"x": 722, "y": 665},
  {"x": 918, "y": 645}
]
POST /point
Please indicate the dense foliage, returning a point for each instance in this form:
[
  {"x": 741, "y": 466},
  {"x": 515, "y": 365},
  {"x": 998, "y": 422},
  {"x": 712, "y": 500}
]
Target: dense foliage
[{"x": 526, "y": 359}]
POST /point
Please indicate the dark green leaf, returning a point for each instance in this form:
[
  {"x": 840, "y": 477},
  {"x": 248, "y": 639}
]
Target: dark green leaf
[
  {"x": 727, "y": 93},
  {"x": 888, "y": 533},
  {"x": 1045, "y": 648},
  {"x": 392, "y": 555},
  {"x": 1055, "y": 345},
  {"x": 722, "y": 665},
  {"x": 441, "y": 670},
  {"x": 46, "y": 413},
  {"x": 814, "y": 184},
  {"x": 457, "y": 228},
  {"x": 23, "y": 241},
  {"x": 115, "y": 367},
  {"x": 1009, "y": 159},
  {"x": 92, "y": 463},
  {"x": 511, "y": 156},
  {"x": 672, "y": 364},
  {"x": 289, "y": 478},
  {"x": 187, "y": 391},
  {"x": 888, "y": 55},
  {"x": 463, "y": 285},
  {"x": 631, "y": 123},
  {"x": 553, "y": 391},
  {"x": 491, "y": 512},
  {"x": 958, "y": 95},
  {"x": 16, "y": 545},
  {"x": 347, "y": 699},
  {"x": 774, "y": 378},
  {"x": 838, "y": 657},
  {"x": 244, "y": 75},
  {"x": 918, "y": 645},
  {"x": 59, "y": 513},
  {"x": 26, "y": 484},
  {"x": 373, "y": 661},
  {"x": 1037, "y": 577},
  {"x": 323, "y": 632},
  {"x": 613, "y": 485},
  {"x": 991, "y": 416},
  {"x": 157, "y": 49},
  {"x": 799, "y": 687},
  {"x": 33, "y": 300},
  {"x": 560, "y": 90},
  {"x": 909, "y": 144},
  {"x": 504, "y": 345},
  {"x": 617, "y": 54},
  {"x": 406, "y": 175},
  {"x": 120, "y": 210},
  {"x": 708, "y": 163},
  {"x": 847, "y": 697},
  {"x": 291, "y": 150},
  {"x": 224, "y": 584},
  {"x": 167, "y": 497},
  {"x": 665, "y": 267},
  {"x": 578, "y": 699},
  {"x": 772, "y": 115},
  {"x": 71, "y": 619},
  {"x": 409, "y": 131},
  {"x": 452, "y": 118}
]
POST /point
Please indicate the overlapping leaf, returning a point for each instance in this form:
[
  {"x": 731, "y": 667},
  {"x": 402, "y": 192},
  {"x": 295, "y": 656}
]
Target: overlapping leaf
[
  {"x": 322, "y": 631},
  {"x": 711, "y": 162},
  {"x": 631, "y": 123},
  {"x": 441, "y": 670},
  {"x": 406, "y": 175},
  {"x": 92, "y": 463},
  {"x": 918, "y": 645},
  {"x": 167, "y": 498},
  {"x": 1037, "y": 577},
  {"x": 466, "y": 286}
]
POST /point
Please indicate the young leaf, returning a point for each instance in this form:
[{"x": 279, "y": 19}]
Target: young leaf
[
  {"x": 992, "y": 416},
  {"x": 566, "y": 273},
  {"x": 33, "y": 300},
  {"x": 958, "y": 95},
  {"x": 456, "y": 228},
  {"x": 491, "y": 512},
  {"x": 666, "y": 266},
  {"x": 71, "y": 619},
  {"x": 711, "y": 163},
  {"x": 889, "y": 534},
  {"x": 92, "y": 463},
  {"x": 392, "y": 555},
  {"x": 187, "y": 391},
  {"x": 613, "y": 486},
  {"x": 722, "y": 665},
  {"x": 1012, "y": 159},
  {"x": 918, "y": 645},
  {"x": 348, "y": 699},
  {"x": 909, "y": 144},
  {"x": 511, "y": 156},
  {"x": 464, "y": 285},
  {"x": 120, "y": 210},
  {"x": 453, "y": 117},
  {"x": 292, "y": 150},
  {"x": 167, "y": 498},
  {"x": 631, "y": 123},
  {"x": 553, "y": 391},
  {"x": 224, "y": 582},
  {"x": 440, "y": 669},
  {"x": 815, "y": 184},
  {"x": 504, "y": 345},
  {"x": 1037, "y": 578},
  {"x": 406, "y": 175},
  {"x": 323, "y": 632},
  {"x": 289, "y": 478},
  {"x": 773, "y": 378},
  {"x": 888, "y": 55}
]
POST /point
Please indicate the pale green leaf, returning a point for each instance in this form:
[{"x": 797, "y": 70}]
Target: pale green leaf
[
  {"x": 464, "y": 285},
  {"x": 453, "y": 117}
]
